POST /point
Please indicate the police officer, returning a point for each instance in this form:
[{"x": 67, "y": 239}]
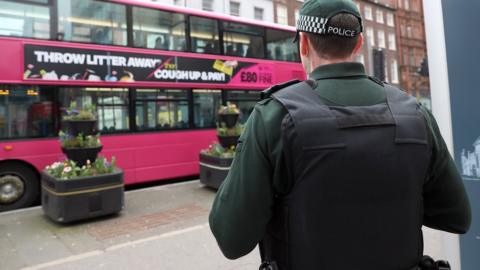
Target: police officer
[{"x": 340, "y": 171}]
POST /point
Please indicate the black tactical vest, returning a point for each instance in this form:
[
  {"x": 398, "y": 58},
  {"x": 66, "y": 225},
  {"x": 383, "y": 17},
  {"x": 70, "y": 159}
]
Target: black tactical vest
[{"x": 358, "y": 174}]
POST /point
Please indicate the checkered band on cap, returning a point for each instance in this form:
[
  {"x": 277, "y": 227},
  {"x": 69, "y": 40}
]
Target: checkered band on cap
[{"x": 312, "y": 24}]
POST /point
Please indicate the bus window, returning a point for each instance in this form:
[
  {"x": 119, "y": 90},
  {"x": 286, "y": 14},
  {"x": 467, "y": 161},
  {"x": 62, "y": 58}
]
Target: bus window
[
  {"x": 243, "y": 40},
  {"x": 156, "y": 29},
  {"x": 24, "y": 20},
  {"x": 161, "y": 109},
  {"x": 245, "y": 101},
  {"x": 111, "y": 105},
  {"x": 26, "y": 111},
  {"x": 92, "y": 21},
  {"x": 204, "y": 35},
  {"x": 280, "y": 46},
  {"x": 205, "y": 106}
]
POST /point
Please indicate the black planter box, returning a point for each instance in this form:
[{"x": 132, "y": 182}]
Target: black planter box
[
  {"x": 230, "y": 119},
  {"x": 81, "y": 155},
  {"x": 213, "y": 170},
  {"x": 228, "y": 141},
  {"x": 74, "y": 127},
  {"x": 82, "y": 198}
]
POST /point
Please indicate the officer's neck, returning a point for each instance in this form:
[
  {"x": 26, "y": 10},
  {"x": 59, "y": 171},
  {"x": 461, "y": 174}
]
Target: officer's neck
[{"x": 316, "y": 61}]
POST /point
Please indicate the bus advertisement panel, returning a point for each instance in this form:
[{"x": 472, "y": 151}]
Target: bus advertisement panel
[{"x": 75, "y": 64}]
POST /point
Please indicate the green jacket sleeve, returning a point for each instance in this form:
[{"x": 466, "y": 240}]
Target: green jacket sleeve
[
  {"x": 242, "y": 206},
  {"x": 446, "y": 205}
]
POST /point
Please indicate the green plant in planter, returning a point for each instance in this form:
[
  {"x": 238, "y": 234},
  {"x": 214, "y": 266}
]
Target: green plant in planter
[
  {"x": 237, "y": 130},
  {"x": 75, "y": 114},
  {"x": 216, "y": 150},
  {"x": 79, "y": 141},
  {"x": 68, "y": 169},
  {"x": 231, "y": 108}
]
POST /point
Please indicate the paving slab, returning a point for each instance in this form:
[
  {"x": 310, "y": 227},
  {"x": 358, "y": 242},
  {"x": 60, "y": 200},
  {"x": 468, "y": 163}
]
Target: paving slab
[{"x": 160, "y": 228}]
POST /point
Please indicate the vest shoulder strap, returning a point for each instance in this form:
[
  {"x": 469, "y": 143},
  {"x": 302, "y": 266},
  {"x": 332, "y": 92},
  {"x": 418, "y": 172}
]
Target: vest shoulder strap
[
  {"x": 400, "y": 103},
  {"x": 270, "y": 91},
  {"x": 410, "y": 124},
  {"x": 301, "y": 95}
]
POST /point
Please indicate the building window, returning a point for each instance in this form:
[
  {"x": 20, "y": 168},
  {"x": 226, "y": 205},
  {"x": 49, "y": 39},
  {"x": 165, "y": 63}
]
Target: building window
[
  {"x": 234, "y": 8},
  {"x": 368, "y": 13},
  {"x": 415, "y": 6},
  {"x": 204, "y": 35},
  {"x": 405, "y": 57},
  {"x": 245, "y": 101},
  {"x": 280, "y": 46},
  {"x": 412, "y": 57},
  {"x": 258, "y": 13},
  {"x": 26, "y": 111},
  {"x": 205, "y": 105},
  {"x": 370, "y": 36},
  {"x": 361, "y": 58},
  {"x": 407, "y": 4},
  {"x": 156, "y": 29},
  {"x": 381, "y": 39},
  {"x": 402, "y": 30},
  {"x": 390, "y": 20},
  {"x": 409, "y": 31},
  {"x": 207, "y": 5},
  {"x": 243, "y": 40},
  {"x": 107, "y": 25},
  {"x": 380, "y": 16},
  {"x": 394, "y": 71},
  {"x": 158, "y": 109},
  {"x": 386, "y": 70},
  {"x": 297, "y": 15},
  {"x": 282, "y": 16},
  {"x": 418, "y": 33},
  {"x": 24, "y": 20},
  {"x": 111, "y": 105},
  {"x": 392, "y": 42},
  {"x": 178, "y": 3}
]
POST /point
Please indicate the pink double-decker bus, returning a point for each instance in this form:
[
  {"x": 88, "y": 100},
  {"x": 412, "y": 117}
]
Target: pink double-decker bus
[{"x": 157, "y": 75}]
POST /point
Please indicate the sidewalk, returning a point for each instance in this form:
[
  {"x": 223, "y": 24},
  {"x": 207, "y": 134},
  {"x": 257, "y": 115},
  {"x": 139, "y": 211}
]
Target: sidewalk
[{"x": 161, "y": 228}]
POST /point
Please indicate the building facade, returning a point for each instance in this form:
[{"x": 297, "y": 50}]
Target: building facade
[
  {"x": 286, "y": 12},
  {"x": 380, "y": 51},
  {"x": 395, "y": 43},
  {"x": 259, "y": 9},
  {"x": 412, "y": 47}
]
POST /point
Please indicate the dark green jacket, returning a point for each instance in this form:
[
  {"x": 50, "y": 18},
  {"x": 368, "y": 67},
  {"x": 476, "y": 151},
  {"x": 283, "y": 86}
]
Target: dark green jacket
[{"x": 243, "y": 205}]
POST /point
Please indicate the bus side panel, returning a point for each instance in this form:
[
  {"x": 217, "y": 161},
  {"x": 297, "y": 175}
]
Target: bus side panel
[
  {"x": 38, "y": 153},
  {"x": 170, "y": 155},
  {"x": 11, "y": 64},
  {"x": 143, "y": 157},
  {"x": 289, "y": 71}
]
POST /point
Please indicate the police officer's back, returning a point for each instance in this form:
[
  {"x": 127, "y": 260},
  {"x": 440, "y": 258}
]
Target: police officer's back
[{"x": 340, "y": 171}]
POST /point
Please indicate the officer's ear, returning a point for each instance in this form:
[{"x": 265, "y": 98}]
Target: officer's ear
[
  {"x": 359, "y": 45},
  {"x": 304, "y": 45}
]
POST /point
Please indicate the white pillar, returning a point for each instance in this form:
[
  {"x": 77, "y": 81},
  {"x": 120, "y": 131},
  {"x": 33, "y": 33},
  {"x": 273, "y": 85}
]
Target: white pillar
[{"x": 440, "y": 92}]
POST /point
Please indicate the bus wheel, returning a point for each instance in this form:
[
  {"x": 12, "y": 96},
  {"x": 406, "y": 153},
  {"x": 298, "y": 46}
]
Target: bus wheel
[{"x": 19, "y": 186}]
